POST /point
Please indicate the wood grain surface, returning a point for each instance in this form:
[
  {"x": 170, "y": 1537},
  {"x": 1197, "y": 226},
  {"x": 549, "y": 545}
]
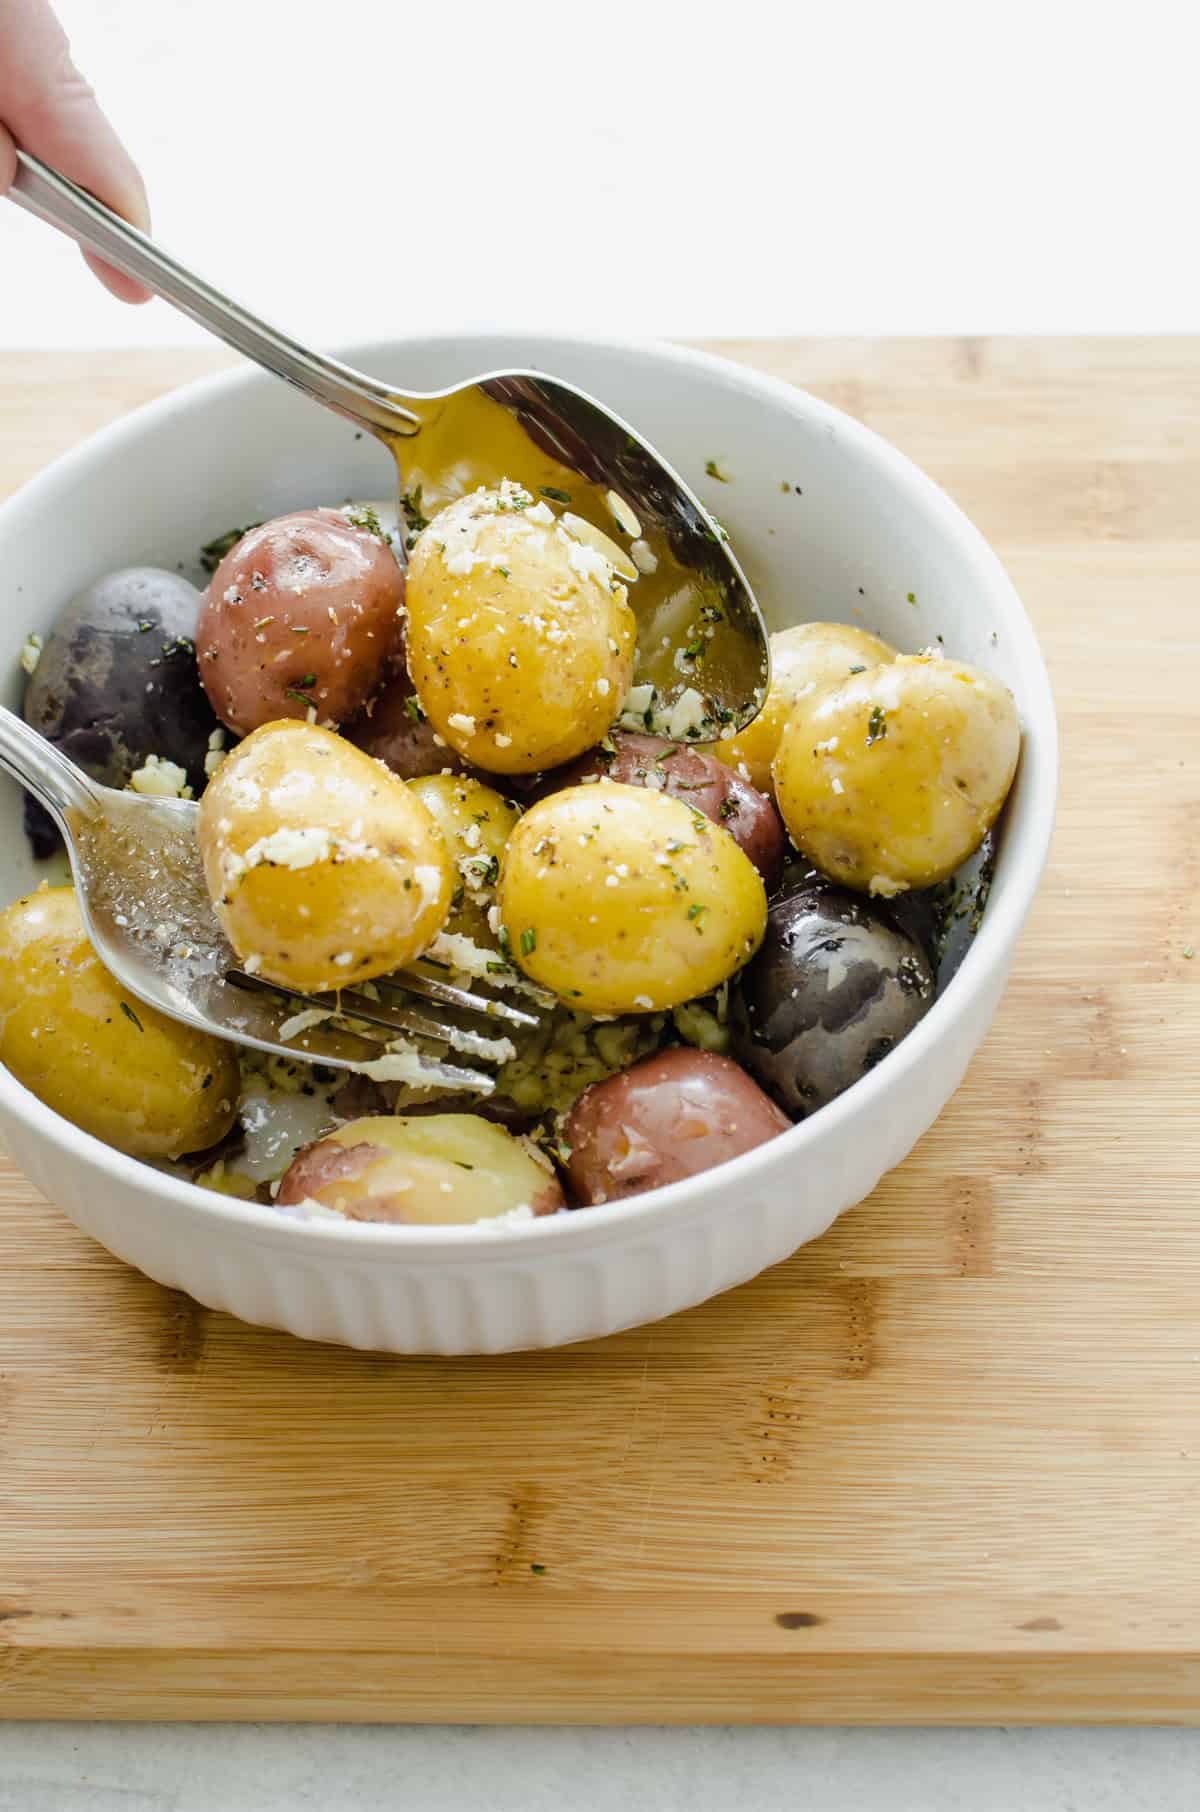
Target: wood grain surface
[{"x": 942, "y": 1466}]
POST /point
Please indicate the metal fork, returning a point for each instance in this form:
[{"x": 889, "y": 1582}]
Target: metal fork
[{"x": 146, "y": 910}]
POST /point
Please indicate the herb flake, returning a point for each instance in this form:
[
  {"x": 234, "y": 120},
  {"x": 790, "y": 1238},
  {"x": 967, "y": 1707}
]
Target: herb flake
[{"x": 131, "y": 1015}]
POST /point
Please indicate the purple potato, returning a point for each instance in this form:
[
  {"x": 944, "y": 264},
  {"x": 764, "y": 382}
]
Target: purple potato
[{"x": 834, "y": 987}]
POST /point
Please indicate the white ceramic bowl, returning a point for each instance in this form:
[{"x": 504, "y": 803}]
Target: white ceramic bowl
[{"x": 242, "y": 446}]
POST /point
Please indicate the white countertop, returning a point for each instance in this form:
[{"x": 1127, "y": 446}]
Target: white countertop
[
  {"x": 853, "y": 168},
  {"x": 284, "y": 1768}
]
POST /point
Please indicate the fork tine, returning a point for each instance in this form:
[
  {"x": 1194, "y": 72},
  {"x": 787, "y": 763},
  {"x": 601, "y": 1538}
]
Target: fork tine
[
  {"x": 445, "y": 1075},
  {"x": 450, "y": 996},
  {"x": 405, "y": 1019}
]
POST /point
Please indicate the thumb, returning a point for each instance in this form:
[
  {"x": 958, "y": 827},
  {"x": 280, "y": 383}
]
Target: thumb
[{"x": 49, "y": 109}]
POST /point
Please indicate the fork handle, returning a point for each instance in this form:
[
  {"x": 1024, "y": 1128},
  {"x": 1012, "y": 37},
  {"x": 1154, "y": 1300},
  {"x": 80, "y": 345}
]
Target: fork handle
[
  {"x": 53, "y": 198},
  {"x": 56, "y": 782}
]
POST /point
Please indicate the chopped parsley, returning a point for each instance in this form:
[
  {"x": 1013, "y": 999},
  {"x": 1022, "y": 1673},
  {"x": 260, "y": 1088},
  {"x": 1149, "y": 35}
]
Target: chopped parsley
[
  {"x": 414, "y": 710},
  {"x": 504, "y": 570},
  {"x": 213, "y": 552},
  {"x": 912, "y": 597},
  {"x": 310, "y": 679},
  {"x": 694, "y": 650},
  {"x": 414, "y": 516},
  {"x": 145, "y": 625},
  {"x": 713, "y": 470},
  {"x": 696, "y": 912},
  {"x": 505, "y": 943},
  {"x": 535, "y": 1566},
  {"x": 1189, "y": 951},
  {"x": 554, "y": 494},
  {"x": 364, "y": 517},
  {"x": 291, "y": 692},
  {"x": 486, "y": 869},
  {"x": 528, "y": 941},
  {"x": 876, "y": 725},
  {"x": 858, "y": 669},
  {"x": 130, "y": 1014},
  {"x": 730, "y": 808}
]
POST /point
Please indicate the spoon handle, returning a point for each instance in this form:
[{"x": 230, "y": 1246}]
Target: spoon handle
[
  {"x": 64, "y": 204},
  {"x": 37, "y": 764}
]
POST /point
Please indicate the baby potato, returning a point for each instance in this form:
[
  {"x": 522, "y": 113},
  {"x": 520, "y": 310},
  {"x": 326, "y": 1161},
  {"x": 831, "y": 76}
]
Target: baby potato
[
  {"x": 395, "y": 730},
  {"x": 302, "y": 612},
  {"x": 671, "y": 1116},
  {"x": 695, "y": 777},
  {"x": 430, "y": 1170},
  {"x": 520, "y": 635},
  {"x": 475, "y": 821},
  {"x": 804, "y": 659},
  {"x": 143, "y": 1083},
  {"x": 624, "y": 900},
  {"x": 324, "y": 869},
  {"x": 891, "y": 780}
]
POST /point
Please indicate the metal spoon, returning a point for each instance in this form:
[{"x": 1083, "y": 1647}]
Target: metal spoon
[{"x": 703, "y": 643}]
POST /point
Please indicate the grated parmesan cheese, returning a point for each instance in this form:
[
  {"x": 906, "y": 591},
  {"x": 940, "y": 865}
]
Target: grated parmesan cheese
[{"x": 161, "y": 779}]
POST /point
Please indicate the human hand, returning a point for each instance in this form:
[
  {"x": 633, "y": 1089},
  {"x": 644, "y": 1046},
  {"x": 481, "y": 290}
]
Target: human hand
[{"x": 47, "y": 108}]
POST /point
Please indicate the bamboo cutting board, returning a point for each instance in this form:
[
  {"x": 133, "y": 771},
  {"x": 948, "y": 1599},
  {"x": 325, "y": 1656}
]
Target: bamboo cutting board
[{"x": 942, "y": 1466}]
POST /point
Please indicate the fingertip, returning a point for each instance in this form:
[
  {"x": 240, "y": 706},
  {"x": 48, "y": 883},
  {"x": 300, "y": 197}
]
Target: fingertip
[
  {"x": 126, "y": 289},
  {"x": 8, "y": 162}
]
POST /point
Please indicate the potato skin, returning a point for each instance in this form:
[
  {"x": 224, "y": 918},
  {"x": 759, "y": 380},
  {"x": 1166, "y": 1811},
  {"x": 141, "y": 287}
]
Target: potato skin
[
  {"x": 520, "y": 658},
  {"x": 395, "y": 730},
  {"x": 622, "y": 900},
  {"x": 893, "y": 779},
  {"x": 323, "y": 868},
  {"x": 304, "y": 610},
  {"x": 143, "y": 1083},
  {"x": 427, "y": 1170},
  {"x": 836, "y": 985},
  {"x": 804, "y": 659},
  {"x": 117, "y": 682},
  {"x": 696, "y": 777},
  {"x": 669, "y": 1117},
  {"x": 475, "y": 822}
]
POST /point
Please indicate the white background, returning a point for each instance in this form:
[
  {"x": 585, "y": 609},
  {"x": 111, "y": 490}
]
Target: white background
[
  {"x": 645, "y": 166},
  {"x": 641, "y": 167}
]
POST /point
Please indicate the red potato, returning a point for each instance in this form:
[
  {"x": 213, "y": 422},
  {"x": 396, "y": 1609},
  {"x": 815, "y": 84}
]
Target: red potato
[
  {"x": 304, "y": 611},
  {"x": 395, "y": 730},
  {"x": 699, "y": 780},
  {"x": 669, "y": 1117},
  {"x": 439, "y": 1170}
]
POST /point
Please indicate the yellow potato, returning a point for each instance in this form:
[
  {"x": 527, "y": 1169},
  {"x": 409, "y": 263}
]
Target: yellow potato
[
  {"x": 433, "y": 1170},
  {"x": 894, "y": 778},
  {"x": 624, "y": 900},
  {"x": 97, "y": 1055},
  {"x": 803, "y": 660},
  {"x": 520, "y": 635},
  {"x": 475, "y": 821},
  {"x": 323, "y": 867}
]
